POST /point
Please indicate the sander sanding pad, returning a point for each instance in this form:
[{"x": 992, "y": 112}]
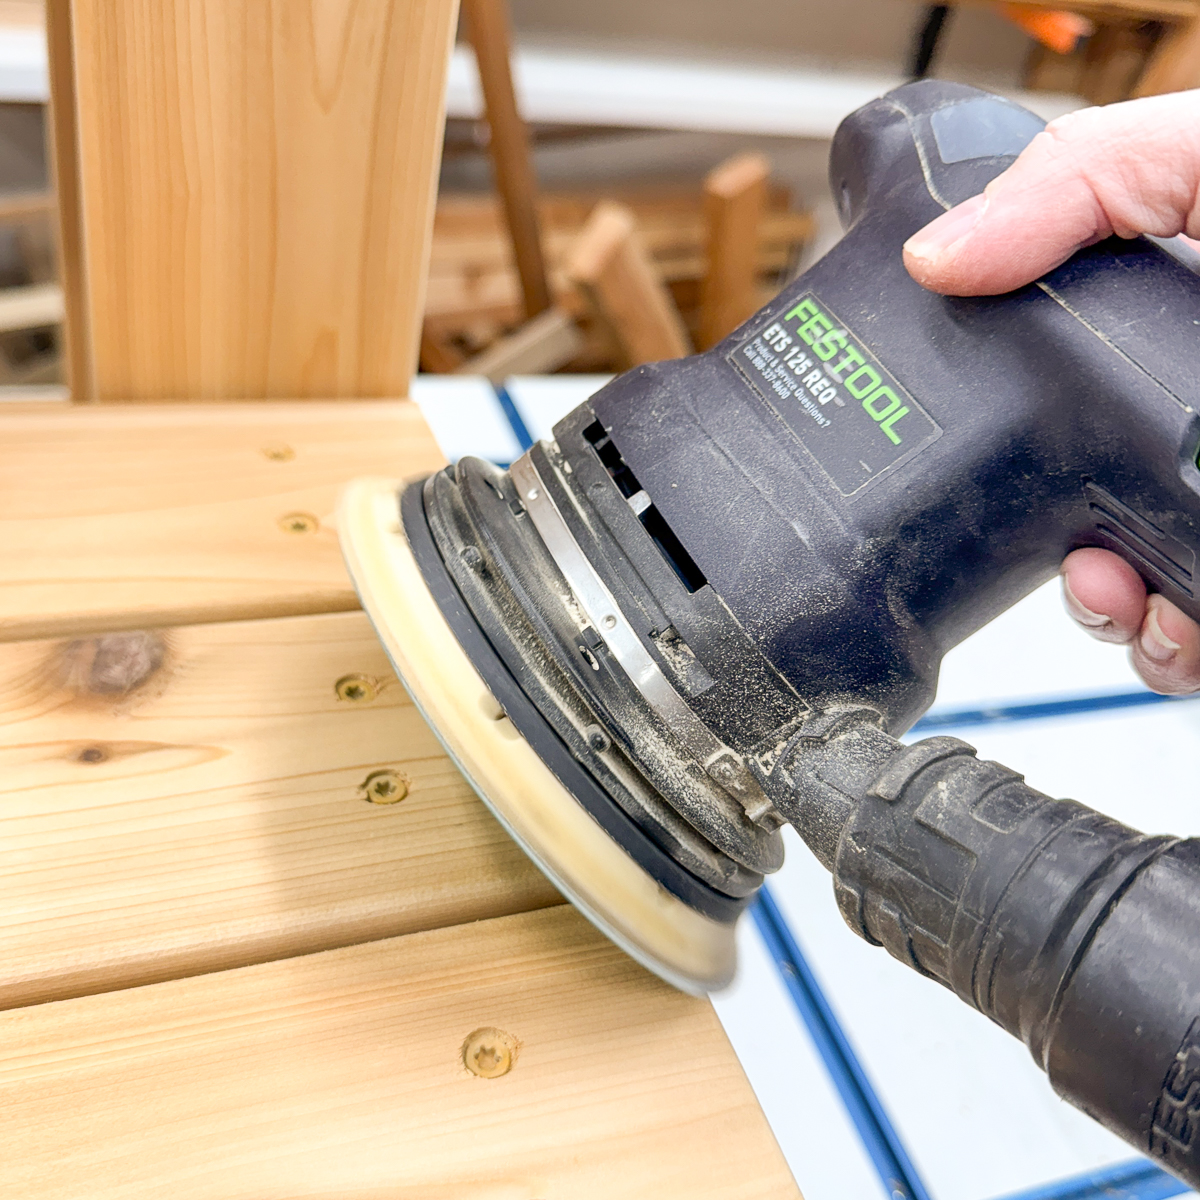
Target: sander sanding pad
[{"x": 686, "y": 948}]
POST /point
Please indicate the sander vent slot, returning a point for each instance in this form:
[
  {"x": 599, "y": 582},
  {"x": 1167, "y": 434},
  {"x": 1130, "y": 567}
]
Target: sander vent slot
[{"x": 654, "y": 523}]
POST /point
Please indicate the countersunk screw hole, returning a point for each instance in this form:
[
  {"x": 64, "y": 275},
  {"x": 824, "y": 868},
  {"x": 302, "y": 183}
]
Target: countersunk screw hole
[
  {"x": 489, "y": 1053},
  {"x": 385, "y": 787},
  {"x": 299, "y": 523},
  {"x": 356, "y": 688}
]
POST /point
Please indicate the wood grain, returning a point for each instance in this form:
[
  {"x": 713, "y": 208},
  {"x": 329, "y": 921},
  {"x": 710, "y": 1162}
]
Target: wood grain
[
  {"x": 340, "y": 1076},
  {"x": 257, "y": 185},
  {"x": 116, "y": 518},
  {"x": 610, "y": 266},
  {"x": 193, "y": 799}
]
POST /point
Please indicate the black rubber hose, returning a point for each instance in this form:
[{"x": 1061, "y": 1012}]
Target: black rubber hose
[{"x": 1077, "y": 934}]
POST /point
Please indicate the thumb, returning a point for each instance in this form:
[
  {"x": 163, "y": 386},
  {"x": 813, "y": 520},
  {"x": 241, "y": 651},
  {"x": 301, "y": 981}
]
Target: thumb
[{"x": 1126, "y": 169}]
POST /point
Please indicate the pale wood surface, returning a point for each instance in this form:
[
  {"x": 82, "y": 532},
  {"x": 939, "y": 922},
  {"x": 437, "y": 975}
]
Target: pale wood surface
[
  {"x": 610, "y": 266},
  {"x": 488, "y": 26},
  {"x": 735, "y": 195},
  {"x": 340, "y": 1076},
  {"x": 115, "y": 518},
  {"x": 216, "y": 813},
  {"x": 257, "y": 189}
]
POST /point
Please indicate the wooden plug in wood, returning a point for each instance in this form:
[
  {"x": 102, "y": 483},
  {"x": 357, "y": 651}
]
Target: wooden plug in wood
[
  {"x": 540, "y": 346},
  {"x": 610, "y": 267},
  {"x": 735, "y": 195}
]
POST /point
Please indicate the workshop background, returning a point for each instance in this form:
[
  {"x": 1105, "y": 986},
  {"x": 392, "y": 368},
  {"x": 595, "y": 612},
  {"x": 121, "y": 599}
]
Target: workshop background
[{"x": 671, "y": 116}]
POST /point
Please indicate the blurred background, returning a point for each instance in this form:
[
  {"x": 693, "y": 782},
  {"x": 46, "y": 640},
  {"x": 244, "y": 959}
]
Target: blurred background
[{"x": 638, "y": 104}]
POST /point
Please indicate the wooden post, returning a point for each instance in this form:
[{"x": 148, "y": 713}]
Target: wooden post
[
  {"x": 255, "y": 192},
  {"x": 488, "y": 24},
  {"x": 735, "y": 194},
  {"x": 610, "y": 267}
]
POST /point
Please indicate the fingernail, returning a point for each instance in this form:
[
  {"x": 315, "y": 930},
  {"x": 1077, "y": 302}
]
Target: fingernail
[
  {"x": 1084, "y": 616},
  {"x": 1155, "y": 644},
  {"x": 940, "y": 234}
]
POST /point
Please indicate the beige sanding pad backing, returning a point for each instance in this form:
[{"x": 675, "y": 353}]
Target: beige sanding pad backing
[{"x": 679, "y": 944}]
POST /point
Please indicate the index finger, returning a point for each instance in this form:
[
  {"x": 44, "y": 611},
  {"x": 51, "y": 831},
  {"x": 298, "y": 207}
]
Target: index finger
[{"x": 1126, "y": 169}]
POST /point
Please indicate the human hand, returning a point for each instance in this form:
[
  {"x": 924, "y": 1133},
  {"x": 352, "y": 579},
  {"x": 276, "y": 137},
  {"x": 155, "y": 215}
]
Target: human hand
[{"x": 1124, "y": 169}]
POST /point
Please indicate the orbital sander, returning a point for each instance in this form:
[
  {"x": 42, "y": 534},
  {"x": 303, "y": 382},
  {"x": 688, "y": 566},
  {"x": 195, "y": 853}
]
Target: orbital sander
[{"x": 714, "y": 601}]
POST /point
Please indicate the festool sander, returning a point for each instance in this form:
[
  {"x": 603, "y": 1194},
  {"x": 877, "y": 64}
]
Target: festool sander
[{"x": 714, "y": 600}]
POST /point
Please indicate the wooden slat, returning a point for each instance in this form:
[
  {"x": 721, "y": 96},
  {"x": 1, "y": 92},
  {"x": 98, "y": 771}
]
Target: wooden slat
[
  {"x": 341, "y": 1076},
  {"x": 191, "y": 799},
  {"x": 735, "y": 195},
  {"x": 122, "y": 517},
  {"x": 488, "y": 25},
  {"x": 539, "y": 346},
  {"x": 256, "y": 192},
  {"x": 609, "y": 265}
]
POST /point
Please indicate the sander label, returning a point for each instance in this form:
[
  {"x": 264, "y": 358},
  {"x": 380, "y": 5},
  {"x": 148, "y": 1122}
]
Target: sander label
[{"x": 846, "y": 409}]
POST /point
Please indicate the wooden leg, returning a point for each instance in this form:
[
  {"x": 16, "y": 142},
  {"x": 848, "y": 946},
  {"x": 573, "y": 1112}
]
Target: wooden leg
[
  {"x": 488, "y": 24},
  {"x": 1175, "y": 64},
  {"x": 610, "y": 267},
  {"x": 735, "y": 195},
  {"x": 64, "y": 171}
]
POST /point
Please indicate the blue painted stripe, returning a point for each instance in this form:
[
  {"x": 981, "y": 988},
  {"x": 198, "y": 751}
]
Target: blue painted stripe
[
  {"x": 899, "y": 1176},
  {"x": 513, "y": 415},
  {"x": 1137, "y": 1179},
  {"x": 965, "y": 718}
]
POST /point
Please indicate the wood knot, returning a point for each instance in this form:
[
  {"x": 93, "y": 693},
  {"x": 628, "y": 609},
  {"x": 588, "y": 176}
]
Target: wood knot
[{"x": 113, "y": 664}]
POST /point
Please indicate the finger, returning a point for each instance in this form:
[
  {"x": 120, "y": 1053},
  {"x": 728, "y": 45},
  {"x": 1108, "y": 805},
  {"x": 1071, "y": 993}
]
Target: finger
[
  {"x": 1126, "y": 169},
  {"x": 1104, "y": 595},
  {"x": 1166, "y": 653}
]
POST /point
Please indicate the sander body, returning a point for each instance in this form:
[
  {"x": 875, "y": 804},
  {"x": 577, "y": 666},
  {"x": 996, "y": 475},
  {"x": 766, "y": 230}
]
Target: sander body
[{"x": 714, "y": 601}]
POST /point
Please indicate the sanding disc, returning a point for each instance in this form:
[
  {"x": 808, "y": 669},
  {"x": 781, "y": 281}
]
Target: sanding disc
[{"x": 686, "y": 948}]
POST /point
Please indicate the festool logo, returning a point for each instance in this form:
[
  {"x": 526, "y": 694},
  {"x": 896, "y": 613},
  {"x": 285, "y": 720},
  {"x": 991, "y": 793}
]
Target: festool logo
[{"x": 851, "y": 371}]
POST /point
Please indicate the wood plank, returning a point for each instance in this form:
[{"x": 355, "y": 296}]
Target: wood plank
[
  {"x": 342, "y": 1075},
  {"x": 735, "y": 195},
  {"x": 122, "y": 517},
  {"x": 191, "y": 799},
  {"x": 257, "y": 186},
  {"x": 609, "y": 265},
  {"x": 489, "y": 27}
]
